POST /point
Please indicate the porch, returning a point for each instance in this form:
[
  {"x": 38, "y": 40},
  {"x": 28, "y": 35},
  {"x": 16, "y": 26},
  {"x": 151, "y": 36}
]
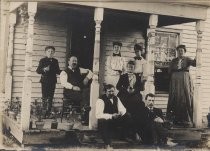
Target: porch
[{"x": 28, "y": 37}]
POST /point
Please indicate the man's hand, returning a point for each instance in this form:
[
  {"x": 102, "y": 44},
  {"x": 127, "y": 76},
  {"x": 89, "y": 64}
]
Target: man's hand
[
  {"x": 76, "y": 88},
  {"x": 158, "y": 120},
  {"x": 46, "y": 68},
  {"x": 115, "y": 116},
  {"x": 130, "y": 90},
  {"x": 85, "y": 81}
]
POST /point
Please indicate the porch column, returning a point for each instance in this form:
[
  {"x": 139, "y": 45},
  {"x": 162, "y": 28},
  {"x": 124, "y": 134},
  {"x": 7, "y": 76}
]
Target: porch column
[
  {"x": 149, "y": 85},
  {"x": 94, "y": 92},
  {"x": 4, "y": 29},
  {"x": 197, "y": 114},
  {"x": 27, "y": 82},
  {"x": 8, "y": 80}
]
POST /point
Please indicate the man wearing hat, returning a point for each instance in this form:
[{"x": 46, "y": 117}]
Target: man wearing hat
[{"x": 114, "y": 64}]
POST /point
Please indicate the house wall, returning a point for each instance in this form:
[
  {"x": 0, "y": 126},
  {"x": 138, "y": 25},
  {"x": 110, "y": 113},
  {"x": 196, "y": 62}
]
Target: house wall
[{"x": 48, "y": 30}]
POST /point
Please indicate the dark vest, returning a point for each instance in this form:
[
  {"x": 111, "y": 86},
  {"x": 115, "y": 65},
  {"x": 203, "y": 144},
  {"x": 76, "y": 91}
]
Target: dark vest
[
  {"x": 75, "y": 78},
  {"x": 108, "y": 106}
]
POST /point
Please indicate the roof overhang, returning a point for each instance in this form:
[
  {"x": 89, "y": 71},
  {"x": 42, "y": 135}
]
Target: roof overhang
[{"x": 189, "y": 11}]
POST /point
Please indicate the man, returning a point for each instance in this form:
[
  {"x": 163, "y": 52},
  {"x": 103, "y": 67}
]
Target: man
[
  {"x": 114, "y": 64},
  {"x": 111, "y": 113},
  {"x": 73, "y": 79},
  {"x": 48, "y": 68},
  {"x": 154, "y": 132}
]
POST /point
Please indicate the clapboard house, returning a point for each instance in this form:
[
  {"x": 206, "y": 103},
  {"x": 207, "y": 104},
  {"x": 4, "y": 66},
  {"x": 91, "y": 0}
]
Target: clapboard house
[{"x": 87, "y": 29}]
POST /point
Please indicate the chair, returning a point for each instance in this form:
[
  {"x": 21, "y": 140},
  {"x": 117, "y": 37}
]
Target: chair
[{"x": 69, "y": 106}]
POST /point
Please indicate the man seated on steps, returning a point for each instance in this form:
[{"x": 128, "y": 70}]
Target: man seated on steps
[
  {"x": 111, "y": 113},
  {"x": 154, "y": 131}
]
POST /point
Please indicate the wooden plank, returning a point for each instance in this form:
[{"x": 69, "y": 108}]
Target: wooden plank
[{"x": 14, "y": 127}]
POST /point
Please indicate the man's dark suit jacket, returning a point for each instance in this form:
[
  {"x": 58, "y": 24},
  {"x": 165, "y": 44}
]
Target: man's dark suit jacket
[
  {"x": 156, "y": 112},
  {"x": 48, "y": 76}
]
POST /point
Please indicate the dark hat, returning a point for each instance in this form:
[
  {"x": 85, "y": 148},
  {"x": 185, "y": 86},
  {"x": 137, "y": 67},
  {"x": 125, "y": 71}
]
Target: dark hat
[
  {"x": 181, "y": 46},
  {"x": 132, "y": 62},
  {"x": 138, "y": 47},
  {"x": 117, "y": 43}
]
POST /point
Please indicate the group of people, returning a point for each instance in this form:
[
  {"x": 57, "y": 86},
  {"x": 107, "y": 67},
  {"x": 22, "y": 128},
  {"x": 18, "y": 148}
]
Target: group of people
[
  {"x": 129, "y": 109},
  {"x": 74, "y": 79}
]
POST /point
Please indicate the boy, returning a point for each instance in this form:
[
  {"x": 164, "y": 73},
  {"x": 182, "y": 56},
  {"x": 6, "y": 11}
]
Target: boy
[{"x": 48, "y": 68}]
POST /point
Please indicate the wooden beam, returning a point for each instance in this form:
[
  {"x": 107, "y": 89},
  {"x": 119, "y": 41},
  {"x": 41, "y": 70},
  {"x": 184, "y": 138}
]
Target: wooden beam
[
  {"x": 177, "y": 10},
  {"x": 14, "y": 5},
  {"x": 8, "y": 80},
  {"x": 197, "y": 108},
  {"x": 149, "y": 85},
  {"x": 27, "y": 82},
  {"x": 94, "y": 92}
]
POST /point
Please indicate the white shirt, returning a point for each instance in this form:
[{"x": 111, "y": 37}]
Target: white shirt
[
  {"x": 114, "y": 64},
  {"x": 64, "y": 77},
  {"x": 140, "y": 66},
  {"x": 100, "y": 109}
]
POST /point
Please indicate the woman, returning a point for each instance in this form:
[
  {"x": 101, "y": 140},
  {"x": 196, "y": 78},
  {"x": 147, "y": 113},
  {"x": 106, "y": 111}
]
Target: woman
[{"x": 180, "y": 103}]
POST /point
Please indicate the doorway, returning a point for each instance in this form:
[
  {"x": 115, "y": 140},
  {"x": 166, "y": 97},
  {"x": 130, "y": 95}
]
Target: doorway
[{"x": 81, "y": 44}]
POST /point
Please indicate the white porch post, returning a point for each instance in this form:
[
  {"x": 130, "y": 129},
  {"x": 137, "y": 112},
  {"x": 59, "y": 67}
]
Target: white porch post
[
  {"x": 94, "y": 93},
  {"x": 27, "y": 82},
  {"x": 149, "y": 85},
  {"x": 197, "y": 114},
  {"x": 8, "y": 80},
  {"x": 4, "y": 29}
]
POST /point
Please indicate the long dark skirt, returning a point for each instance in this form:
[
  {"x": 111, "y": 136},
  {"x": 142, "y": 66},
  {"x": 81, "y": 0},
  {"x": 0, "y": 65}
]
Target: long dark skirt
[{"x": 180, "y": 103}]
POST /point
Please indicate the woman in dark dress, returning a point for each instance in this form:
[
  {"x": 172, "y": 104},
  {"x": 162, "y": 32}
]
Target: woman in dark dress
[{"x": 180, "y": 103}]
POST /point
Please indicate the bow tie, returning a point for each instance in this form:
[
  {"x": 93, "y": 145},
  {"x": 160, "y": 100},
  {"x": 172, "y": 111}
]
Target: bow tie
[
  {"x": 116, "y": 54},
  {"x": 137, "y": 58}
]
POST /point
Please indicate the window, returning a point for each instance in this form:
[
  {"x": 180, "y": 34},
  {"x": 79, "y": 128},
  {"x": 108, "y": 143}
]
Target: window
[{"x": 166, "y": 43}]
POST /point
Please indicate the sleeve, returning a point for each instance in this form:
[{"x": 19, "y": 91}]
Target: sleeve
[
  {"x": 119, "y": 85},
  {"x": 88, "y": 72},
  {"x": 145, "y": 72},
  {"x": 99, "y": 111},
  {"x": 40, "y": 67},
  {"x": 63, "y": 79},
  {"x": 108, "y": 64},
  {"x": 57, "y": 68},
  {"x": 121, "y": 108},
  {"x": 192, "y": 62}
]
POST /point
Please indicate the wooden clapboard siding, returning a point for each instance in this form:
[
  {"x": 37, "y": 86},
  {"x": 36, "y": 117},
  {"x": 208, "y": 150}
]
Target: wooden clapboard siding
[
  {"x": 128, "y": 40},
  {"x": 47, "y": 31},
  {"x": 18, "y": 67}
]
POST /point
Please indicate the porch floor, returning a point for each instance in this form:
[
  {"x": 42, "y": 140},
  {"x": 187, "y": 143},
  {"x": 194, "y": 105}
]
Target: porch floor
[{"x": 179, "y": 138}]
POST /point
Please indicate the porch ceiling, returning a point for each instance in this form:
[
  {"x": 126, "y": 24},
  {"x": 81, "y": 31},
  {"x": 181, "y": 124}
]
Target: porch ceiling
[
  {"x": 119, "y": 16},
  {"x": 182, "y": 10}
]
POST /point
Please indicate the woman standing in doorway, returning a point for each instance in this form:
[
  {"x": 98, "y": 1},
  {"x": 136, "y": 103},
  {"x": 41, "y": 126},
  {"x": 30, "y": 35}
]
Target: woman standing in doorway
[{"x": 180, "y": 103}]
